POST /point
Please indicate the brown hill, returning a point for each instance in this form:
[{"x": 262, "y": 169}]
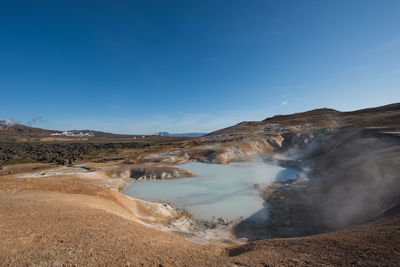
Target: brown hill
[{"x": 383, "y": 116}]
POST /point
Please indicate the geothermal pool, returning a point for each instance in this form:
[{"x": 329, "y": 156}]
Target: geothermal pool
[{"x": 218, "y": 191}]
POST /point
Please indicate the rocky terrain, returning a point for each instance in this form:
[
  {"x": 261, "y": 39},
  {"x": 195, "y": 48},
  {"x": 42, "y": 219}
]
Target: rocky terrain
[
  {"x": 24, "y": 144},
  {"x": 61, "y": 153},
  {"x": 343, "y": 211}
]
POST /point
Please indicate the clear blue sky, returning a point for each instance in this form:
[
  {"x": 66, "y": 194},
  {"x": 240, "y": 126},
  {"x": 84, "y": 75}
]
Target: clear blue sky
[{"x": 182, "y": 66}]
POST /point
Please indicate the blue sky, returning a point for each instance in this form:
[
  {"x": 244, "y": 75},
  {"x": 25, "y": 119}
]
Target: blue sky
[{"x": 183, "y": 66}]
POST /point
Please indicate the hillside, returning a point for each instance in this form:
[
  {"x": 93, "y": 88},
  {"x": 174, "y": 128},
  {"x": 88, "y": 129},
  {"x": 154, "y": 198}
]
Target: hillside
[
  {"x": 383, "y": 116},
  {"x": 19, "y": 131}
]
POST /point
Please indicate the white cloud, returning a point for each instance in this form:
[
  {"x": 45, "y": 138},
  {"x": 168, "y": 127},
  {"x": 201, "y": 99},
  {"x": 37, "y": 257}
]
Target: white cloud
[{"x": 285, "y": 102}]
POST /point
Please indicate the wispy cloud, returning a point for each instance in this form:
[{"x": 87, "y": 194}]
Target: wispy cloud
[
  {"x": 385, "y": 46},
  {"x": 199, "y": 122},
  {"x": 203, "y": 122}
]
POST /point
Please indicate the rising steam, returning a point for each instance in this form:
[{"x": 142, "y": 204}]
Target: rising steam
[{"x": 9, "y": 122}]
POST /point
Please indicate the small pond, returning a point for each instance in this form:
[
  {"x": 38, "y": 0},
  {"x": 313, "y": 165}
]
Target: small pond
[{"x": 219, "y": 191}]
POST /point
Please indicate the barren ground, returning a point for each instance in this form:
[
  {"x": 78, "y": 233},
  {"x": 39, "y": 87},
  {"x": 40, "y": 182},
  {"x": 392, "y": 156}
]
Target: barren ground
[{"x": 50, "y": 221}]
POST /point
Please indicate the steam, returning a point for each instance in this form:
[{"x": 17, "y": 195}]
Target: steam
[
  {"x": 35, "y": 120},
  {"x": 357, "y": 191},
  {"x": 350, "y": 176},
  {"x": 263, "y": 173},
  {"x": 353, "y": 178},
  {"x": 74, "y": 133},
  {"x": 9, "y": 122}
]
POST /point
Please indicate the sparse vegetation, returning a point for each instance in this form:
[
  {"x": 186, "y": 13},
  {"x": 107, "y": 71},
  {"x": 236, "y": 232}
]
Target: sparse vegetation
[
  {"x": 19, "y": 161},
  {"x": 27, "y": 152}
]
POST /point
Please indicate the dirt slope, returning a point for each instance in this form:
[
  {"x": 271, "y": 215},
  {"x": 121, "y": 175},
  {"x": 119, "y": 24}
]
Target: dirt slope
[
  {"x": 52, "y": 222},
  {"x": 373, "y": 244},
  {"x": 49, "y": 222}
]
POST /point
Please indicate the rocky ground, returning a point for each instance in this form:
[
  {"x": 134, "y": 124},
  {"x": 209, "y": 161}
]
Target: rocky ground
[{"x": 60, "y": 153}]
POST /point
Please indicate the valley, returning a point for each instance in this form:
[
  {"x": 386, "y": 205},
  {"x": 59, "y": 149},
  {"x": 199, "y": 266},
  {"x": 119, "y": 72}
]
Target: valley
[{"x": 110, "y": 198}]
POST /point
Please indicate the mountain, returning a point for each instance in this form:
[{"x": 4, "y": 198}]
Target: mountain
[
  {"x": 180, "y": 134},
  {"x": 8, "y": 128},
  {"x": 388, "y": 116},
  {"x": 12, "y": 131},
  {"x": 383, "y": 116}
]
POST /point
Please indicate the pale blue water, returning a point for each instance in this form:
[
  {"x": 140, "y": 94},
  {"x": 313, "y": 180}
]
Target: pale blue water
[{"x": 225, "y": 191}]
